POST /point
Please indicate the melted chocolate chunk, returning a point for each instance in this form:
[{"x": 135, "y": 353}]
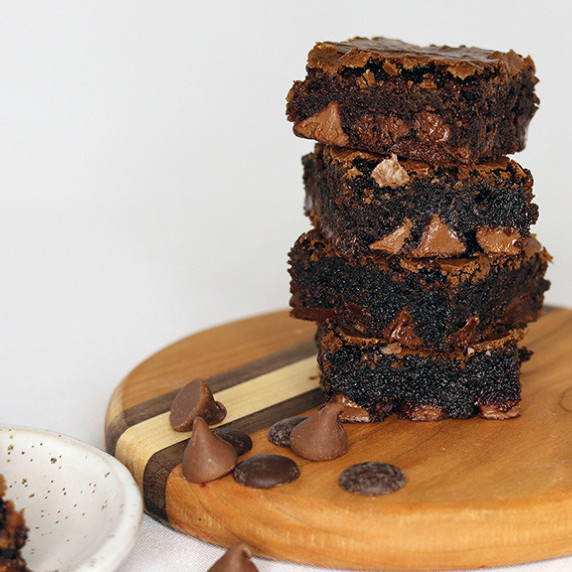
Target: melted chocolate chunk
[
  {"x": 266, "y": 471},
  {"x": 279, "y": 433},
  {"x": 240, "y": 440},
  {"x": 371, "y": 479}
]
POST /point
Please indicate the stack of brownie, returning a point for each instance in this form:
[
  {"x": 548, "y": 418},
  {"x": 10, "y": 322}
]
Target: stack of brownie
[{"x": 420, "y": 271}]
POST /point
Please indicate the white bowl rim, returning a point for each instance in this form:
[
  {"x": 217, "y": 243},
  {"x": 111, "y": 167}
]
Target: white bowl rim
[{"x": 111, "y": 553}]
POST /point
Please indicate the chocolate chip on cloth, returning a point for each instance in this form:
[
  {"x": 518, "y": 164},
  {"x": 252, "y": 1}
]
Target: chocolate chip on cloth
[
  {"x": 238, "y": 558},
  {"x": 279, "y": 433},
  {"x": 195, "y": 400},
  {"x": 372, "y": 479},
  {"x": 240, "y": 440},
  {"x": 321, "y": 437},
  {"x": 207, "y": 457},
  {"x": 266, "y": 471}
]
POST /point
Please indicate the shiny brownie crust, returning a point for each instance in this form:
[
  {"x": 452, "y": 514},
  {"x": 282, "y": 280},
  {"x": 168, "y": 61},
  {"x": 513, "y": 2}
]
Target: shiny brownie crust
[
  {"x": 438, "y": 304},
  {"x": 437, "y": 104},
  {"x": 357, "y": 199}
]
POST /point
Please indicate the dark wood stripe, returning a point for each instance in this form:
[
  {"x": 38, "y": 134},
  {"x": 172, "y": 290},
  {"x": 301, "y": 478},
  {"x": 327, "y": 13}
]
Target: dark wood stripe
[
  {"x": 161, "y": 464},
  {"x": 217, "y": 382},
  {"x": 264, "y": 365},
  {"x": 155, "y": 478},
  {"x": 269, "y": 415}
]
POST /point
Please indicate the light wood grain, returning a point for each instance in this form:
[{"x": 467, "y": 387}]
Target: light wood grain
[{"x": 478, "y": 493}]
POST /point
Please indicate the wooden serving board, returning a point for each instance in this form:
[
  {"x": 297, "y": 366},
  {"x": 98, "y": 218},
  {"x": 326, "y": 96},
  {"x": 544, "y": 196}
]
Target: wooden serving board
[{"x": 478, "y": 493}]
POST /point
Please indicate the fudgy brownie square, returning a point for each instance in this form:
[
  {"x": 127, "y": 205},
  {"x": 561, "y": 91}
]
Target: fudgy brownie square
[
  {"x": 363, "y": 202},
  {"x": 434, "y": 303},
  {"x": 374, "y": 378},
  {"x": 437, "y": 104}
]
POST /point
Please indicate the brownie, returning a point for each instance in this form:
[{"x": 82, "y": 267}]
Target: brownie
[
  {"x": 437, "y": 104},
  {"x": 378, "y": 378},
  {"x": 13, "y": 534},
  {"x": 362, "y": 201},
  {"x": 430, "y": 303}
]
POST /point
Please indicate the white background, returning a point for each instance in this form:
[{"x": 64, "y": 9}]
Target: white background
[{"x": 150, "y": 185}]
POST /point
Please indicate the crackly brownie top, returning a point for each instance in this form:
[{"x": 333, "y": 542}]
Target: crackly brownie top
[
  {"x": 452, "y": 270},
  {"x": 334, "y": 338},
  {"x": 399, "y": 172},
  {"x": 394, "y": 55},
  {"x": 477, "y": 267}
]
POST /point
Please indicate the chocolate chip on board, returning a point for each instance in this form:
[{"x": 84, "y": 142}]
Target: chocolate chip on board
[
  {"x": 238, "y": 558},
  {"x": 372, "y": 479},
  {"x": 266, "y": 471},
  {"x": 240, "y": 440},
  {"x": 279, "y": 433},
  {"x": 321, "y": 437},
  {"x": 206, "y": 456},
  {"x": 195, "y": 399}
]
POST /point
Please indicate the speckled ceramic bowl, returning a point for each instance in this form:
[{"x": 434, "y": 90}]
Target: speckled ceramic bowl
[{"x": 82, "y": 506}]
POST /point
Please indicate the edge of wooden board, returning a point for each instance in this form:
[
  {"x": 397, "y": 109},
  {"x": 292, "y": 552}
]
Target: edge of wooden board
[{"x": 411, "y": 535}]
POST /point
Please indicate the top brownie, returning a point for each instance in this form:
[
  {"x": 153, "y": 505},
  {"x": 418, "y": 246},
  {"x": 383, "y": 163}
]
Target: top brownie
[{"x": 441, "y": 105}]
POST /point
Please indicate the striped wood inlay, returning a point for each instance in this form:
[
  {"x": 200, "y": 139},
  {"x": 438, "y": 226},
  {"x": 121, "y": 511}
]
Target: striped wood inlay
[
  {"x": 160, "y": 465},
  {"x": 255, "y": 395},
  {"x": 479, "y": 492},
  {"x": 217, "y": 383}
]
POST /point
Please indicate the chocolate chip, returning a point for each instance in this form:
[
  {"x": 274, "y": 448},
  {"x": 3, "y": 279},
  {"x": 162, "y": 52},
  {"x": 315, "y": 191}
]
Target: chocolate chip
[
  {"x": 207, "y": 457},
  {"x": 236, "y": 559},
  {"x": 266, "y": 471},
  {"x": 279, "y": 433},
  {"x": 195, "y": 400},
  {"x": 372, "y": 479},
  {"x": 240, "y": 440},
  {"x": 321, "y": 437}
]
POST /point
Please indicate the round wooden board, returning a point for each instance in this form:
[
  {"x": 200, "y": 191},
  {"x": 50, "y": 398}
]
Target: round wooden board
[{"x": 478, "y": 493}]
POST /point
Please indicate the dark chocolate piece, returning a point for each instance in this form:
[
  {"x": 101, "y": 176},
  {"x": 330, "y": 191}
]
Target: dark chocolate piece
[
  {"x": 321, "y": 437},
  {"x": 372, "y": 479},
  {"x": 238, "y": 558},
  {"x": 441, "y": 105},
  {"x": 195, "y": 399},
  {"x": 207, "y": 457},
  {"x": 438, "y": 304},
  {"x": 279, "y": 433},
  {"x": 362, "y": 202},
  {"x": 240, "y": 440},
  {"x": 266, "y": 471},
  {"x": 384, "y": 378}
]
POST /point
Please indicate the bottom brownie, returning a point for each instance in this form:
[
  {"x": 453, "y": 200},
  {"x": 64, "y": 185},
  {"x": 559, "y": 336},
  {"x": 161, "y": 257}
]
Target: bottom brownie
[{"x": 374, "y": 378}]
